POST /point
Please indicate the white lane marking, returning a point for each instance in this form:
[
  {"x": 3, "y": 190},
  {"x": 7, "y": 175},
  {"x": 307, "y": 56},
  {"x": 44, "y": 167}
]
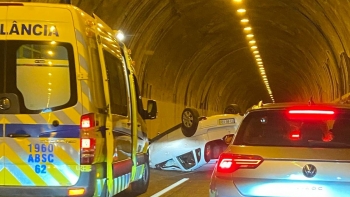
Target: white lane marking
[{"x": 170, "y": 187}]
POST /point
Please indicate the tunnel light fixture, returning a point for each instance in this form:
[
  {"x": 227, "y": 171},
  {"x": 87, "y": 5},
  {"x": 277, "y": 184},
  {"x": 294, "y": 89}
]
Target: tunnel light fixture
[
  {"x": 252, "y": 42},
  {"x": 248, "y": 30},
  {"x": 245, "y": 20},
  {"x": 241, "y": 10},
  {"x": 100, "y": 25}
]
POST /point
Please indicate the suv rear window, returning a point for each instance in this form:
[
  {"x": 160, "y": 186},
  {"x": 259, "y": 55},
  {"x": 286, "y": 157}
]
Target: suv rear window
[
  {"x": 275, "y": 128},
  {"x": 41, "y": 74}
]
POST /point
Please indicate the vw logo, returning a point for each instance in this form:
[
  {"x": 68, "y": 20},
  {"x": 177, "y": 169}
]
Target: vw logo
[
  {"x": 309, "y": 170},
  {"x": 5, "y": 103}
]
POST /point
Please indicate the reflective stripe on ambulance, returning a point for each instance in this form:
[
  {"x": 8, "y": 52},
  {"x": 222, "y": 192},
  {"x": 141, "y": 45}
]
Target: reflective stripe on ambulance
[{"x": 40, "y": 153}]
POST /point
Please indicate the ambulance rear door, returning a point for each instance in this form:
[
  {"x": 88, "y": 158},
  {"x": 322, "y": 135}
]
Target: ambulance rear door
[
  {"x": 42, "y": 119},
  {"x": 3, "y": 12}
]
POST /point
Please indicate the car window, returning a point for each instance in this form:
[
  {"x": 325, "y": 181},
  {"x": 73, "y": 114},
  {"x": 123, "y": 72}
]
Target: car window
[
  {"x": 41, "y": 74},
  {"x": 50, "y": 64},
  {"x": 117, "y": 82},
  {"x": 275, "y": 128}
]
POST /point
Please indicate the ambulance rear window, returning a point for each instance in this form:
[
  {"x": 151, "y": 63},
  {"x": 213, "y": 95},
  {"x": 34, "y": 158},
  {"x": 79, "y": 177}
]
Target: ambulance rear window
[{"x": 44, "y": 77}]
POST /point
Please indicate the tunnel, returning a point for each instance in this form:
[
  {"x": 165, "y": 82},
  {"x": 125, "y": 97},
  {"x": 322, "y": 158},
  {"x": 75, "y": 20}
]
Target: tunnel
[{"x": 207, "y": 54}]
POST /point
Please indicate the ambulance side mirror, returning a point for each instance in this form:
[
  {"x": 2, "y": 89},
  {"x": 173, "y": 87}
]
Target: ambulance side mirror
[{"x": 151, "y": 112}]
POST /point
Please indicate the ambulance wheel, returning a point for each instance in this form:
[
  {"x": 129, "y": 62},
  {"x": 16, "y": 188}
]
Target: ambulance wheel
[
  {"x": 140, "y": 186},
  {"x": 232, "y": 109},
  {"x": 190, "y": 120}
]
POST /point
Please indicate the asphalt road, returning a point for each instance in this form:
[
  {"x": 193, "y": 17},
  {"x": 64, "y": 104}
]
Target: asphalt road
[{"x": 179, "y": 184}]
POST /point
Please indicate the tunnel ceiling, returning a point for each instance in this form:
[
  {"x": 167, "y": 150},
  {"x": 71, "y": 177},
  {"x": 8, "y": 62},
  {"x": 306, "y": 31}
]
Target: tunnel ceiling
[{"x": 196, "y": 53}]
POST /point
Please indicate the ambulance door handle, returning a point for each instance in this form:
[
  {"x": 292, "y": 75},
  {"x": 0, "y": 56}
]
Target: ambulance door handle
[
  {"x": 129, "y": 124},
  {"x": 18, "y": 135}
]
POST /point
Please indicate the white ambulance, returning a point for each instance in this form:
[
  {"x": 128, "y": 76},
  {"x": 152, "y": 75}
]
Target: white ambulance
[{"x": 72, "y": 121}]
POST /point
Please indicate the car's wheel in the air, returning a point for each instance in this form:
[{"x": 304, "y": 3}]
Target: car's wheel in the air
[
  {"x": 232, "y": 109},
  {"x": 189, "y": 124}
]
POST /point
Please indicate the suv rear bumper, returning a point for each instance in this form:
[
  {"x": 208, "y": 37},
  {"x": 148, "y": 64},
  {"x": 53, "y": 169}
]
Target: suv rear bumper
[
  {"x": 223, "y": 188},
  {"x": 86, "y": 181}
]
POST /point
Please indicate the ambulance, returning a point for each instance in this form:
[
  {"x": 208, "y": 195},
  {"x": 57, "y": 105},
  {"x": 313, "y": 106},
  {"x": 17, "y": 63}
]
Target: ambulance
[{"x": 72, "y": 117}]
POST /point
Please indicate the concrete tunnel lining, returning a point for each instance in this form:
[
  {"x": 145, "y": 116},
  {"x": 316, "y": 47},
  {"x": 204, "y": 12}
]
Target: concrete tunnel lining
[{"x": 195, "y": 54}]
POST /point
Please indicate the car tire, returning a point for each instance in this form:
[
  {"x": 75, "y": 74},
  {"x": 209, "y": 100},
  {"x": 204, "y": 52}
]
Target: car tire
[
  {"x": 140, "y": 186},
  {"x": 190, "y": 120},
  {"x": 232, "y": 109}
]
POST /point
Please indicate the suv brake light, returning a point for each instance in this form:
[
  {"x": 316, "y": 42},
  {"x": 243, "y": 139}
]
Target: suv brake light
[
  {"x": 294, "y": 135},
  {"x": 311, "y": 113},
  {"x": 229, "y": 163}
]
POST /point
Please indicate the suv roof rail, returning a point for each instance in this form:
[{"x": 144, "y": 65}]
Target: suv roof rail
[{"x": 260, "y": 104}]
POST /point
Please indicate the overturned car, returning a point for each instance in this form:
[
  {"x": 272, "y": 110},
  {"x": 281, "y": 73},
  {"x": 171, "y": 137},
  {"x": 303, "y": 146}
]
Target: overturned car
[{"x": 195, "y": 141}]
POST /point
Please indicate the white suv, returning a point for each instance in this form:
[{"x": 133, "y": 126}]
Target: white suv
[{"x": 287, "y": 149}]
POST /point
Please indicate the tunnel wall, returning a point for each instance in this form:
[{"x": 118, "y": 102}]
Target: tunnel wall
[{"x": 194, "y": 53}]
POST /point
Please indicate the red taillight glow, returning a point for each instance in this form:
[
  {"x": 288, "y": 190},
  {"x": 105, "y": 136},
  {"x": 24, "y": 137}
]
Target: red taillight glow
[
  {"x": 86, "y": 143},
  {"x": 311, "y": 113},
  {"x": 87, "y": 121},
  {"x": 87, "y": 150},
  {"x": 317, "y": 112},
  {"x": 229, "y": 163},
  {"x": 294, "y": 135}
]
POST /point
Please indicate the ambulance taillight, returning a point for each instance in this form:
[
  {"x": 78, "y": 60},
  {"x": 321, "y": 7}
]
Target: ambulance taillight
[
  {"x": 87, "y": 150},
  {"x": 87, "y": 121}
]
